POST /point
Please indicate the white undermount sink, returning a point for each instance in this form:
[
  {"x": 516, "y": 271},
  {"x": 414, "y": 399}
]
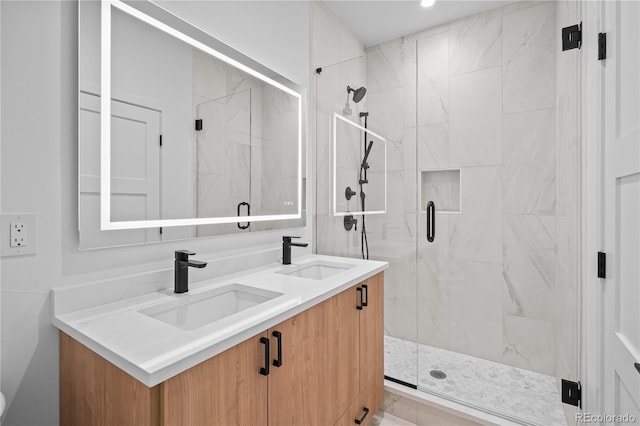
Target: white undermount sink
[
  {"x": 316, "y": 270},
  {"x": 190, "y": 312}
]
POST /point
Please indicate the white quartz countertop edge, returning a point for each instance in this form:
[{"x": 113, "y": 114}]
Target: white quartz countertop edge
[{"x": 153, "y": 352}]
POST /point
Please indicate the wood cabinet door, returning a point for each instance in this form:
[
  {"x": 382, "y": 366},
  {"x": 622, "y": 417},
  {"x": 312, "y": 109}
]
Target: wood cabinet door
[
  {"x": 227, "y": 389},
  {"x": 95, "y": 392},
  {"x": 297, "y": 389},
  {"x": 366, "y": 405},
  {"x": 342, "y": 351},
  {"x": 372, "y": 329}
]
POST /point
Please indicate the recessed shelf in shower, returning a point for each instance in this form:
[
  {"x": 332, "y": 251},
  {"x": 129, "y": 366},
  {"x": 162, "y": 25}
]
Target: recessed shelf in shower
[{"x": 443, "y": 188}]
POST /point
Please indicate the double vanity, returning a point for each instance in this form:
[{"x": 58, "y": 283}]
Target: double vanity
[{"x": 275, "y": 345}]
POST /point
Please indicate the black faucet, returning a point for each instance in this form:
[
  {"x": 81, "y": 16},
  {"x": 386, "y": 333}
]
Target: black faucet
[
  {"x": 286, "y": 249},
  {"x": 182, "y": 264}
]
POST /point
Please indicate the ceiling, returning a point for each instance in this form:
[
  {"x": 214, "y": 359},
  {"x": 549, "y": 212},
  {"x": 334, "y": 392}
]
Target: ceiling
[{"x": 377, "y": 21}]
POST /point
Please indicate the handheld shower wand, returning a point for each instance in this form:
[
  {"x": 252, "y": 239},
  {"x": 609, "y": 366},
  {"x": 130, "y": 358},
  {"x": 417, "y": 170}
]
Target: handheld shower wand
[{"x": 365, "y": 165}]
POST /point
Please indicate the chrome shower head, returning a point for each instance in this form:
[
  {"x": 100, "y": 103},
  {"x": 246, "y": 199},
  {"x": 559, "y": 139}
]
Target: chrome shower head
[{"x": 358, "y": 94}]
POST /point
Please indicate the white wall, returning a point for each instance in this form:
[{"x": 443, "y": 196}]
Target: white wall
[{"x": 39, "y": 172}]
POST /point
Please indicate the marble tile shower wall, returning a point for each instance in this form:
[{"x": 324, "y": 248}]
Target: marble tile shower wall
[
  {"x": 486, "y": 104},
  {"x": 480, "y": 95},
  {"x": 342, "y": 59}
]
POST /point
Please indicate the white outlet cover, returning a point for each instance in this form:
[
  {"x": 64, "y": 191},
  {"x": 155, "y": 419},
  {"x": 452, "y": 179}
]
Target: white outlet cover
[
  {"x": 8, "y": 234},
  {"x": 18, "y": 235}
]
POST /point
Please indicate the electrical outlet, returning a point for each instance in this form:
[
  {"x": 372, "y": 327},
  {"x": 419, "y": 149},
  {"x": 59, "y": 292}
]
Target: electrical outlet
[{"x": 18, "y": 234}]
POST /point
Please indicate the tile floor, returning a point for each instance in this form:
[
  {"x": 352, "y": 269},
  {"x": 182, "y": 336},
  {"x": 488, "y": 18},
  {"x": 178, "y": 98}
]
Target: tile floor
[
  {"x": 385, "y": 419},
  {"x": 517, "y": 394}
]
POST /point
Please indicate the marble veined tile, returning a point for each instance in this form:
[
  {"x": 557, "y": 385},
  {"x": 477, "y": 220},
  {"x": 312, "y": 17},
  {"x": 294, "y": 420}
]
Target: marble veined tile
[
  {"x": 382, "y": 418},
  {"x": 433, "y": 146},
  {"x": 396, "y": 405},
  {"x": 325, "y": 37},
  {"x": 400, "y": 287},
  {"x": 475, "y": 125},
  {"x": 350, "y": 47},
  {"x": 477, "y": 44},
  {"x": 529, "y": 272},
  {"x": 529, "y": 397},
  {"x": 433, "y": 79},
  {"x": 475, "y": 307},
  {"x": 529, "y": 343},
  {"x": 529, "y": 58},
  {"x": 529, "y": 162},
  {"x": 476, "y": 234},
  {"x": 386, "y": 115},
  {"x": 209, "y": 76},
  {"x": 385, "y": 66}
]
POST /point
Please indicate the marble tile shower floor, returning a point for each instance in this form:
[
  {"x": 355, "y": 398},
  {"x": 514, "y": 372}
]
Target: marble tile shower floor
[{"x": 519, "y": 395}]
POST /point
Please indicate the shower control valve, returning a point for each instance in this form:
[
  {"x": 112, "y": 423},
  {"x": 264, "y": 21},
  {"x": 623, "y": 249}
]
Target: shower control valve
[
  {"x": 350, "y": 222},
  {"x": 348, "y": 193}
]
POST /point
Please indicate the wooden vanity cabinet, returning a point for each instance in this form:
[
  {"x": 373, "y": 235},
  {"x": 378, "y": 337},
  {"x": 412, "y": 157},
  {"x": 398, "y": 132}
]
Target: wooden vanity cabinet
[
  {"x": 297, "y": 393},
  {"x": 328, "y": 369},
  {"x": 372, "y": 330},
  {"x": 226, "y": 389}
]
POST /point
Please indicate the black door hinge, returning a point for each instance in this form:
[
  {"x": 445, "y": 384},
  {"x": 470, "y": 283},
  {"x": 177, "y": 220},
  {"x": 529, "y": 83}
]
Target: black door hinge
[
  {"x": 602, "y": 46},
  {"x": 199, "y": 124},
  {"x": 572, "y": 37},
  {"x": 572, "y": 393},
  {"x": 161, "y": 230},
  {"x": 160, "y": 140},
  {"x": 602, "y": 265}
]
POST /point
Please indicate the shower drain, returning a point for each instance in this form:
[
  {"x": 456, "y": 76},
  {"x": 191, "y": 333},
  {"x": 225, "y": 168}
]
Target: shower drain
[{"x": 437, "y": 374}]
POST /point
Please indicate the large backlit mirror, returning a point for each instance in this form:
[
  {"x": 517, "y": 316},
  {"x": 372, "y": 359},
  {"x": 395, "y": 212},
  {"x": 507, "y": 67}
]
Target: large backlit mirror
[{"x": 194, "y": 138}]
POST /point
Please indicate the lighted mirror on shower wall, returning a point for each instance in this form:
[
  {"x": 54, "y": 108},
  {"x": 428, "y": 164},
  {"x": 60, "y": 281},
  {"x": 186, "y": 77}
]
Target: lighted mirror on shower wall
[
  {"x": 359, "y": 169},
  {"x": 195, "y": 140}
]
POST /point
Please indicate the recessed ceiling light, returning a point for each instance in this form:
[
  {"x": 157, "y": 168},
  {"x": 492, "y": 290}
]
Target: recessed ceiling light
[{"x": 427, "y": 3}]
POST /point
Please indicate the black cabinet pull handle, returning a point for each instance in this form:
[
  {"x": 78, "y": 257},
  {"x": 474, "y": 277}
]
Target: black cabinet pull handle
[
  {"x": 366, "y": 295},
  {"x": 365, "y": 410},
  {"x": 431, "y": 221},
  {"x": 637, "y": 366},
  {"x": 360, "y": 305},
  {"x": 265, "y": 370},
  {"x": 278, "y": 336}
]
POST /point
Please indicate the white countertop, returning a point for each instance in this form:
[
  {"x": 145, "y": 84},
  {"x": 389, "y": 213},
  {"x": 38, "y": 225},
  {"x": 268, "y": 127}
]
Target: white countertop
[{"x": 153, "y": 351}]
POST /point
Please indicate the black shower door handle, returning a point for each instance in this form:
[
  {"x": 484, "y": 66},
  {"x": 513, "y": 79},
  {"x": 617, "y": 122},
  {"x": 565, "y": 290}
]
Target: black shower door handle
[
  {"x": 244, "y": 203},
  {"x": 431, "y": 221}
]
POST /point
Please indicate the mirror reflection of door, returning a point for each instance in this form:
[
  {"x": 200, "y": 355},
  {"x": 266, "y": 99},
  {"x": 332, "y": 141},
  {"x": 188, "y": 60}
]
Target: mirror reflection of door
[
  {"x": 135, "y": 171},
  {"x": 224, "y": 159}
]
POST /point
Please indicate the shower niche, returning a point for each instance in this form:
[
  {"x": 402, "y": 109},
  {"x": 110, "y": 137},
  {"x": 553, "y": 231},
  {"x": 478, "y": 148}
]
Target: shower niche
[
  {"x": 359, "y": 158},
  {"x": 443, "y": 188}
]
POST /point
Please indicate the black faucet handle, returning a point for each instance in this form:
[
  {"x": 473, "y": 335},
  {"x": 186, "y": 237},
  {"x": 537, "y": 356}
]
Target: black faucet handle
[
  {"x": 183, "y": 255},
  {"x": 197, "y": 264},
  {"x": 287, "y": 239}
]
